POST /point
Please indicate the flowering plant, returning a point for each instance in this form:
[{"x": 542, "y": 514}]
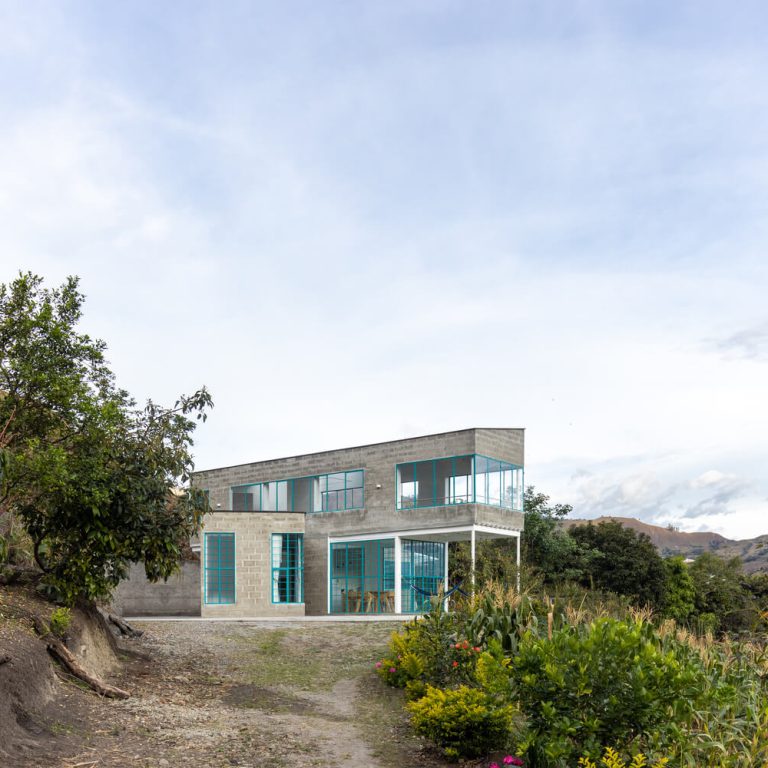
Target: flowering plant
[{"x": 508, "y": 760}]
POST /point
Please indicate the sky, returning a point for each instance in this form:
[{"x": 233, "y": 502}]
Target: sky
[{"x": 362, "y": 221}]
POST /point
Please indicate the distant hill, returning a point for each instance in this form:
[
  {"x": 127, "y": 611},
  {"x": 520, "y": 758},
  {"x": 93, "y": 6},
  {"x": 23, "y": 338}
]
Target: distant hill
[{"x": 753, "y": 552}]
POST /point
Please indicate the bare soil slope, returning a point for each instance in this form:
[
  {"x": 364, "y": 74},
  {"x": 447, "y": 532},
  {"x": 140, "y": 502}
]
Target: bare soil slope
[
  {"x": 211, "y": 695},
  {"x": 42, "y": 713}
]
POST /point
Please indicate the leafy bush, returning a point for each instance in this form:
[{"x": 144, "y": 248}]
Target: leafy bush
[
  {"x": 579, "y": 679},
  {"x": 608, "y": 682},
  {"x": 465, "y": 721},
  {"x": 59, "y": 622},
  {"x": 612, "y": 759}
]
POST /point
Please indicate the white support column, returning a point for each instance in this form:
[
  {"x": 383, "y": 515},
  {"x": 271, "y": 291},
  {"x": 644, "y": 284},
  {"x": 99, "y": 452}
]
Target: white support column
[
  {"x": 328, "y": 579},
  {"x": 446, "y": 587},
  {"x": 398, "y": 575},
  {"x": 472, "y": 551},
  {"x": 518, "y": 562}
]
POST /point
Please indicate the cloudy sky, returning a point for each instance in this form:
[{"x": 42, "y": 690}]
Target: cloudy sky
[{"x": 360, "y": 221}]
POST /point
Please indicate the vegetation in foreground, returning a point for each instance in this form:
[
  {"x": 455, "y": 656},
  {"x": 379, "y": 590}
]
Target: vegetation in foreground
[
  {"x": 88, "y": 480},
  {"x": 563, "y": 684}
]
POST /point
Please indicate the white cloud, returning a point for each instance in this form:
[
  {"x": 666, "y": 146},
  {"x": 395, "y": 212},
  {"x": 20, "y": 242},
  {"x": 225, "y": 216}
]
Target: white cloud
[{"x": 352, "y": 237}]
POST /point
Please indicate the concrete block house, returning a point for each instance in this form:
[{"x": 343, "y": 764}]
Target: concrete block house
[{"x": 360, "y": 530}]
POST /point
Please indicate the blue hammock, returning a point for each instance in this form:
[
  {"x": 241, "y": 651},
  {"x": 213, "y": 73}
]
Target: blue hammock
[{"x": 454, "y": 588}]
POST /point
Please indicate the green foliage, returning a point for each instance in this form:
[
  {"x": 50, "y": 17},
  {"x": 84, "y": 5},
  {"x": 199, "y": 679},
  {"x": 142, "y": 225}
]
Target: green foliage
[
  {"x": 493, "y": 670},
  {"x": 465, "y": 721},
  {"x": 500, "y": 616},
  {"x": 720, "y": 592},
  {"x": 730, "y": 729},
  {"x": 582, "y": 674},
  {"x": 59, "y": 622},
  {"x": 612, "y": 759},
  {"x": 495, "y": 560},
  {"x": 608, "y": 682},
  {"x": 433, "y": 638},
  {"x": 548, "y": 553},
  {"x": 546, "y": 547},
  {"x": 90, "y": 476},
  {"x": 622, "y": 561},
  {"x": 679, "y": 600}
]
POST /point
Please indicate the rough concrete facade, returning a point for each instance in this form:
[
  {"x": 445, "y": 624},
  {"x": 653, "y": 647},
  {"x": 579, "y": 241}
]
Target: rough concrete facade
[
  {"x": 179, "y": 596},
  {"x": 253, "y": 562},
  {"x": 379, "y": 515}
]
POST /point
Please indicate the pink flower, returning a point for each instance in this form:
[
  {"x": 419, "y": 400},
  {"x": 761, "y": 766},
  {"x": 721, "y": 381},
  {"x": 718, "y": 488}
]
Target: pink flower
[
  {"x": 477, "y": 650},
  {"x": 392, "y": 670},
  {"x": 378, "y": 665},
  {"x": 509, "y": 760},
  {"x": 493, "y": 765}
]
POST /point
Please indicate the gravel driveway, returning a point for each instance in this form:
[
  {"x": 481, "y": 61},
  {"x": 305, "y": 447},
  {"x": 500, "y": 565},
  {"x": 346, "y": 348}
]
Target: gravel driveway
[{"x": 254, "y": 695}]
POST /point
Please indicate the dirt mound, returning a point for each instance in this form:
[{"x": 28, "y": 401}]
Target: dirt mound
[{"x": 42, "y": 716}]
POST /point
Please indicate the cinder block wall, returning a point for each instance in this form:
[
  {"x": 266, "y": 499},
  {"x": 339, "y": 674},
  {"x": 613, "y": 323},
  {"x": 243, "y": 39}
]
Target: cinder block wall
[
  {"x": 253, "y": 565},
  {"x": 179, "y": 596},
  {"x": 380, "y": 514}
]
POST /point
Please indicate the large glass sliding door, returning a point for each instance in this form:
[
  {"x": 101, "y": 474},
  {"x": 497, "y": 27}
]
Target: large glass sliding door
[
  {"x": 423, "y": 573},
  {"x": 363, "y": 576}
]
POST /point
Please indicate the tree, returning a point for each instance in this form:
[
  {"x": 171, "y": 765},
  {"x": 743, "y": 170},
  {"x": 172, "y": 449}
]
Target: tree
[
  {"x": 679, "y": 600},
  {"x": 91, "y": 476},
  {"x": 722, "y": 601},
  {"x": 622, "y": 561},
  {"x": 546, "y": 547}
]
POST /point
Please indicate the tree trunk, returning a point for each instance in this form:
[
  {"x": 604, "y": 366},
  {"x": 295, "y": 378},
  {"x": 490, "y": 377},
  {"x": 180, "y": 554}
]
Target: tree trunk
[
  {"x": 64, "y": 656},
  {"x": 124, "y": 627}
]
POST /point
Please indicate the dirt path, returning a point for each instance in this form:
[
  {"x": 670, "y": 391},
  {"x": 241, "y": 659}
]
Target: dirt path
[{"x": 260, "y": 696}]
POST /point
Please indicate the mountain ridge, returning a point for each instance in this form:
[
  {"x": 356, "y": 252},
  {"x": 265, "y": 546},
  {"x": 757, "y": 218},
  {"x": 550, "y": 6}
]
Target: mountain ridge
[{"x": 670, "y": 541}]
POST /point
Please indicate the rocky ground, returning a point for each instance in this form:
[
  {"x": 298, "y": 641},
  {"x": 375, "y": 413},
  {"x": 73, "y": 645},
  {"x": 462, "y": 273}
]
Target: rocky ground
[{"x": 235, "y": 694}]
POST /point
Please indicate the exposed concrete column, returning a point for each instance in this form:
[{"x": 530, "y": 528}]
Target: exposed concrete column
[
  {"x": 398, "y": 575},
  {"x": 472, "y": 551},
  {"x": 446, "y": 587},
  {"x": 518, "y": 562}
]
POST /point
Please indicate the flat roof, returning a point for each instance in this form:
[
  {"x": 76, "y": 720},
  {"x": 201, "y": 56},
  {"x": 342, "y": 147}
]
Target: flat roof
[{"x": 354, "y": 447}]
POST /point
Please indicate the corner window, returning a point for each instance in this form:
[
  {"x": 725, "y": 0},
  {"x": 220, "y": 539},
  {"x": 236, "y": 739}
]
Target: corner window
[
  {"x": 287, "y": 568},
  {"x": 459, "y": 480},
  {"x": 219, "y": 568}
]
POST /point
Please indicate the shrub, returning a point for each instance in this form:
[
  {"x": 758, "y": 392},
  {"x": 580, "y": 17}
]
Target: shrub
[
  {"x": 612, "y": 759},
  {"x": 607, "y": 682},
  {"x": 465, "y": 722},
  {"x": 59, "y": 622}
]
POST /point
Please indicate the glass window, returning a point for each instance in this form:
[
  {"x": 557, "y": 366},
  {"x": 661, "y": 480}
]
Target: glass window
[
  {"x": 425, "y": 486},
  {"x": 287, "y": 568},
  {"x": 423, "y": 573},
  {"x": 363, "y": 576},
  {"x": 459, "y": 480},
  {"x": 219, "y": 568},
  {"x": 282, "y": 496},
  {"x": 341, "y": 490},
  {"x": 463, "y": 492},
  {"x": 321, "y": 493},
  {"x": 406, "y": 486},
  {"x": 245, "y": 498}
]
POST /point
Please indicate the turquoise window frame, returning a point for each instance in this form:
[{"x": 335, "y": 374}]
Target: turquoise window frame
[
  {"x": 410, "y": 473},
  {"x": 423, "y": 567},
  {"x": 220, "y": 570},
  {"x": 290, "y": 574},
  {"x": 340, "y": 493},
  {"x": 348, "y": 496},
  {"x": 361, "y": 576}
]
